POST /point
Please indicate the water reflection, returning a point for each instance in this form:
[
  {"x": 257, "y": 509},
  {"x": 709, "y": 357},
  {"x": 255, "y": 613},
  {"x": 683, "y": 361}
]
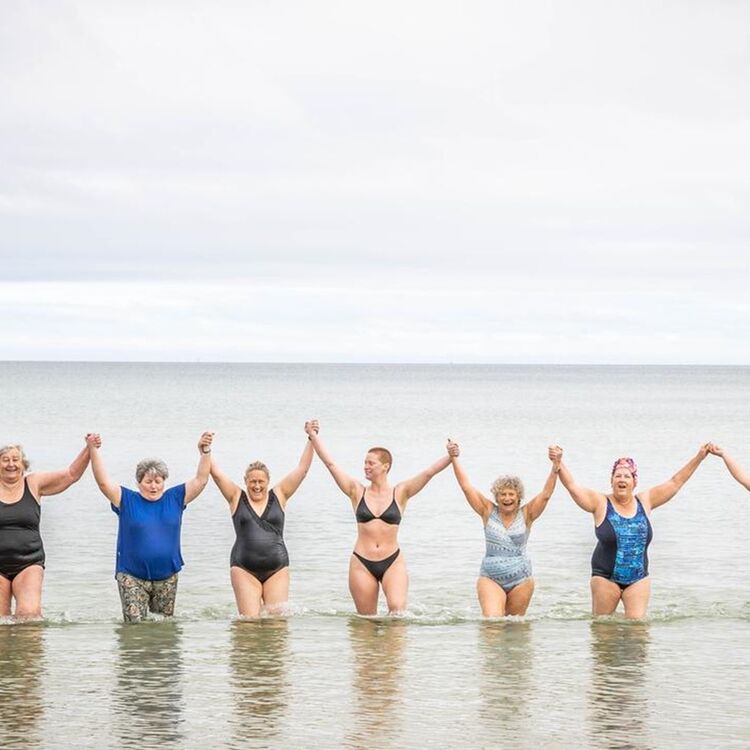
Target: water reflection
[
  {"x": 506, "y": 679},
  {"x": 21, "y": 678},
  {"x": 377, "y": 653},
  {"x": 148, "y": 701},
  {"x": 258, "y": 663},
  {"x": 619, "y": 708}
]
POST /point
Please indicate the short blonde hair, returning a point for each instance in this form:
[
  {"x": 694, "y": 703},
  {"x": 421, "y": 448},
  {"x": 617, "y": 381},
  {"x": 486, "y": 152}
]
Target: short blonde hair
[
  {"x": 507, "y": 480},
  {"x": 384, "y": 456},
  {"x": 258, "y": 466}
]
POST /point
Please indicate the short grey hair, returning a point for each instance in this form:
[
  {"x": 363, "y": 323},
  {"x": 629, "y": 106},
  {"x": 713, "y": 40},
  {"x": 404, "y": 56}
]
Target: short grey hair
[
  {"x": 151, "y": 466},
  {"x": 507, "y": 481},
  {"x": 258, "y": 466},
  {"x": 7, "y": 448}
]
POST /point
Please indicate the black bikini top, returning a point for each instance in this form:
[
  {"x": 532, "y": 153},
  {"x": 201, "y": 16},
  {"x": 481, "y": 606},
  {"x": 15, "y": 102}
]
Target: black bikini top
[{"x": 391, "y": 514}]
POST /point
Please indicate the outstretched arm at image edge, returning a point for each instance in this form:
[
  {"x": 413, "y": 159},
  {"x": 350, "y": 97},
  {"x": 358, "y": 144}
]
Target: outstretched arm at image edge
[{"x": 662, "y": 493}]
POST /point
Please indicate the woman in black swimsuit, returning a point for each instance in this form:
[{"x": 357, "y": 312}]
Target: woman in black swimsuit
[
  {"x": 21, "y": 549},
  {"x": 377, "y": 560},
  {"x": 259, "y": 563}
]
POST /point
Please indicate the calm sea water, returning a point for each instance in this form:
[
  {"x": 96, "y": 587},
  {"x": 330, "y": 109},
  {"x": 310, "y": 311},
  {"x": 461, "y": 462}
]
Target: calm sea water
[{"x": 440, "y": 676}]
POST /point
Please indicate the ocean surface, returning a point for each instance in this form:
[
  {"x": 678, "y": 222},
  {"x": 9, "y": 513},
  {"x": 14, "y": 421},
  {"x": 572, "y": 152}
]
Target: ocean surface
[{"x": 440, "y": 676}]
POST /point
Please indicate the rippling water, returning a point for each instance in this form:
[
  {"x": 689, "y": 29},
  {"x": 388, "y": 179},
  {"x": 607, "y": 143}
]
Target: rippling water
[{"x": 440, "y": 676}]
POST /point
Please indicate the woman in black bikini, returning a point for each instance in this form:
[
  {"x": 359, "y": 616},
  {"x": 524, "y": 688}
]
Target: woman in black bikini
[
  {"x": 259, "y": 562},
  {"x": 377, "y": 560},
  {"x": 21, "y": 550}
]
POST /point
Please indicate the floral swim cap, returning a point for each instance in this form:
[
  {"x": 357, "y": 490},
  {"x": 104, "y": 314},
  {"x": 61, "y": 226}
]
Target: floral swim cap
[{"x": 628, "y": 463}]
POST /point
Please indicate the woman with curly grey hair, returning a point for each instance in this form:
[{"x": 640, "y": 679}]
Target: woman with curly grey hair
[
  {"x": 505, "y": 585},
  {"x": 21, "y": 549},
  {"x": 148, "y": 533}
]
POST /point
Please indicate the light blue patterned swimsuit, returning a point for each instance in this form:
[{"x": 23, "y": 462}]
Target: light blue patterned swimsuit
[{"x": 505, "y": 559}]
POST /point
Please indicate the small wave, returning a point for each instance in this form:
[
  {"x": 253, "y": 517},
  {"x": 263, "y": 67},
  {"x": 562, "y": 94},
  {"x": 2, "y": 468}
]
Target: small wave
[{"x": 427, "y": 616}]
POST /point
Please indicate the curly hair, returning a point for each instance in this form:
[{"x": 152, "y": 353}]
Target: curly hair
[{"x": 507, "y": 480}]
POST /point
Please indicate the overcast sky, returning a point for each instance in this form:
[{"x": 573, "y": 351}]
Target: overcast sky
[{"x": 375, "y": 181}]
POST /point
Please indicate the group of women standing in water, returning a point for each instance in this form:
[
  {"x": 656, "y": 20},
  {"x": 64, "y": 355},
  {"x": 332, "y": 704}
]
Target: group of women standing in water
[{"x": 148, "y": 557}]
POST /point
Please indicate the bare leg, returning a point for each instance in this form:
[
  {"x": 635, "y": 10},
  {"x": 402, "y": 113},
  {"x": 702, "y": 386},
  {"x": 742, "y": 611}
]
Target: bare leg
[
  {"x": 396, "y": 586},
  {"x": 27, "y": 589},
  {"x": 6, "y": 592},
  {"x": 276, "y": 591},
  {"x": 363, "y": 587},
  {"x": 518, "y": 598},
  {"x": 492, "y": 598},
  {"x": 248, "y": 591},
  {"x": 605, "y": 596},
  {"x": 635, "y": 599}
]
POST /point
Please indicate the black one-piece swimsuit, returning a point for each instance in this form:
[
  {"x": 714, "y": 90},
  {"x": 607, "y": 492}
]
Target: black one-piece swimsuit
[
  {"x": 259, "y": 548},
  {"x": 20, "y": 541}
]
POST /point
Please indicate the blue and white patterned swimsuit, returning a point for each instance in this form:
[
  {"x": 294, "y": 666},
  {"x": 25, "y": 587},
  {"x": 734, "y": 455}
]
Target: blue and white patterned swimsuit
[
  {"x": 621, "y": 554},
  {"x": 505, "y": 559}
]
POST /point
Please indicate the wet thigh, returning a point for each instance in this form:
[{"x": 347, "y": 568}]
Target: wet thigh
[
  {"x": 635, "y": 599},
  {"x": 605, "y": 596},
  {"x": 248, "y": 591},
  {"x": 363, "y": 587},
  {"x": 134, "y": 597},
  {"x": 396, "y": 585},
  {"x": 518, "y": 598},
  {"x": 27, "y": 591},
  {"x": 163, "y": 595},
  {"x": 276, "y": 591},
  {"x": 491, "y": 596},
  {"x": 6, "y": 592}
]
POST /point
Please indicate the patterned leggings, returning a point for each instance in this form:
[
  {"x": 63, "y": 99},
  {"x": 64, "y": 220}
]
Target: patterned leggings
[{"x": 140, "y": 597}]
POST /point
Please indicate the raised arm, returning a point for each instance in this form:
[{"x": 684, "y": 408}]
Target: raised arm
[
  {"x": 583, "y": 497},
  {"x": 227, "y": 487},
  {"x": 53, "y": 482},
  {"x": 411, "y": 487},
  {"x": 291, "y": 482},
  {"x": 662, "y": 493},
  {"x": 198, "y": 483},
  {"x": 112, "y": 492},
  {"x": 734, "y": 468},
  {"x": 535, "y": 507},
  {"x": 479, "y": 503},
  {"x": 348, "y": 485}
]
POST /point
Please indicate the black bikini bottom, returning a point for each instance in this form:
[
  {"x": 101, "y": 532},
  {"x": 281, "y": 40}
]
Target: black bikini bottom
[{"x": 377, "y": 568}]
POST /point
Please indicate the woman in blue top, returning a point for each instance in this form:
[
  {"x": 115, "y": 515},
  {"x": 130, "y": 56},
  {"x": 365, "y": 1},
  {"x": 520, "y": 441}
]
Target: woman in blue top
[
  {"x": 619, "y": 565},
  {"x": 505, "y": 585},
  {"x": 148, "y": 534}
]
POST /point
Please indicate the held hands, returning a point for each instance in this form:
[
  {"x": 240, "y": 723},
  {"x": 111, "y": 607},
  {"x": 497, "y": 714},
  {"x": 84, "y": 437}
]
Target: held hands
[
  {"x": 204, "y": 444},
  {"x": 453, "y": 450},
  {"x": 704, "y": 450},
  {"x": 93, "y": 440},
  {"x": 555, "y": 453},
  {"x": 312, "y": 427},
  {"x": 714, "y": 449}
]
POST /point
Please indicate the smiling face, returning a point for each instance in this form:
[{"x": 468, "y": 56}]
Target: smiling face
[
  {"x": 507, "y": 499},
  {"x": 12, "y": 465},
  {"x": 256, "y": 482},
  {"x": 623, "y": 482},
  {"x": 375, "y": 467},
  {"x": 151, "y": 486}
]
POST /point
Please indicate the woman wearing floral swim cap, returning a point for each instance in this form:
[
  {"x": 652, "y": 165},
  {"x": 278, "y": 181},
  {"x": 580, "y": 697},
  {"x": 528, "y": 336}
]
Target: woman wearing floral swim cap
[{"x": 619, "y": 565}]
